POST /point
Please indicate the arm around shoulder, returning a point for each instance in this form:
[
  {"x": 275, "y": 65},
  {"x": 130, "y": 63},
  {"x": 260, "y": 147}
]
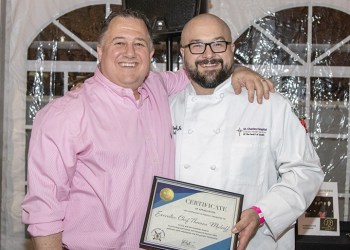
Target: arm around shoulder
[
  {"x": 174, "y": 81},
  {"x": 256, "y": 84}
]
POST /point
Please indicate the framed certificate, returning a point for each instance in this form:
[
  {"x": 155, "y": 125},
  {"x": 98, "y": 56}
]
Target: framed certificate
[
  {"x": 186, "y": 216},
  {"x": 322, "y": 216}
]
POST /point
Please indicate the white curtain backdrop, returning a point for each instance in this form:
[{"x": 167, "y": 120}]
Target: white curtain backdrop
[{"x": 24, "y": 20}]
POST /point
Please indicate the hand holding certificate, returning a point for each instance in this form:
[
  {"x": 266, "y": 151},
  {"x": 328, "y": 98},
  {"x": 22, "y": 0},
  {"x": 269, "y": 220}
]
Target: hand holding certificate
[{"x": 187, "y": 216}]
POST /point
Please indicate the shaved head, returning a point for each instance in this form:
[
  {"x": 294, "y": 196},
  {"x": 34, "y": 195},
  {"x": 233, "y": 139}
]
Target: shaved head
[{"x": 203, "y": 26}]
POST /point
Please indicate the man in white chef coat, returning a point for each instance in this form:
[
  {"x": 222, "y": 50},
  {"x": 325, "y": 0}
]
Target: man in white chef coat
[{"x": 225, "y": 142}]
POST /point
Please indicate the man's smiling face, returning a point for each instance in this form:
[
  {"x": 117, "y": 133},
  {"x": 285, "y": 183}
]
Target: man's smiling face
[
  {"x": 125, "y": 52},
  {"x": 209, "y": 69}
]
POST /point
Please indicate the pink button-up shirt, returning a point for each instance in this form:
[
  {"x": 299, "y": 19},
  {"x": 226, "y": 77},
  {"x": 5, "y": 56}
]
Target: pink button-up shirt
[{"x": 93, "y": 154}]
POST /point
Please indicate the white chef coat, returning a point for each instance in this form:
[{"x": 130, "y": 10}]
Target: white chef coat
[{"x": 259, "y": 150}]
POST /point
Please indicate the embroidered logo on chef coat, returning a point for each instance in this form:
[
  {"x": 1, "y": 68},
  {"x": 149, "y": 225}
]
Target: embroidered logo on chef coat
[
  {"x": 176, "y": 128},
  {"x": 251, "y": 131}
]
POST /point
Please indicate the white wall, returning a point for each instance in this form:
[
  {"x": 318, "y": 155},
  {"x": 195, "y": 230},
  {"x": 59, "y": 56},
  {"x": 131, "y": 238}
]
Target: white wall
[{"x": 2, "y": 70}]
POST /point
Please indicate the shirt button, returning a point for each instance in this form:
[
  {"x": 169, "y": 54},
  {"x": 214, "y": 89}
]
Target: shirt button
[
  {"x": 222, "y": 95},
  {"x": 190, "y": 131},
  {"x": 217, "y": 131},
  {"x": 213, "y": 167},
  {"x": 187, "y": 166}
]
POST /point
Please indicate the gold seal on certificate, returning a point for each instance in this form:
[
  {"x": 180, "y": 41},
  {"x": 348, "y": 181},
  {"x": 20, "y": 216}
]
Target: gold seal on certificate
[{"x": 186, "y": 216}]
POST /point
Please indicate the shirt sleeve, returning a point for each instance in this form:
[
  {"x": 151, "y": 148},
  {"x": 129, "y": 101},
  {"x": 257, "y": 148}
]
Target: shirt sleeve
[
  {"x": 51, "y": 163},
  {"x": 299, "y": 170},
  {"x": 175, "y": 81}
]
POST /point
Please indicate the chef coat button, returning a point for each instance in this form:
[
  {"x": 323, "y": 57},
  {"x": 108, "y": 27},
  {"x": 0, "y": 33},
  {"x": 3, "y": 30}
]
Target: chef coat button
[
  {"x": 194, "y": 99},
  {"x": 187, "y": 166},
  {"x": 222, "y": 95},
  {"x": 217, "y": 131},
  {"x": 213, "y": 167},
  {"x": 190, "y": 131}
]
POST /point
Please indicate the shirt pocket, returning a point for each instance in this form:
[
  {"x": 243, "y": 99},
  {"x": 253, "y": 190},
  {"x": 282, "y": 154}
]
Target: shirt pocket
[{"x": 248, "y": 162}]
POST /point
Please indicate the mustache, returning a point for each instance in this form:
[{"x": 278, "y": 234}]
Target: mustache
[{"x": 210, "y": 61}]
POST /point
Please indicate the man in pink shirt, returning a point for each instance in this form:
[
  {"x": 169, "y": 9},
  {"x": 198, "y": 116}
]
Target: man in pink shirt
[{"x": 93, "y": 153}]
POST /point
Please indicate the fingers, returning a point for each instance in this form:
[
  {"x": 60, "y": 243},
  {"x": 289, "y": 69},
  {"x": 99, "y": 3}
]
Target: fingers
[
  {"x": 249, "y": 218},
  {"x": 254, "y": 82},
  {"x": 238, "y": 81},
  {"x": 243, "y": 243},
  {"x": 268, "y": 87},
  {"x": 255, "y": 87},
  {"x": 244, "y": 238},
  {"x": 246, "y": 227},
  {"x": 77, "y": 86},
  {"x": 237, "y": 86},
  {"x": 240, "y": 226},
  {"x": 73, "y": 88}
]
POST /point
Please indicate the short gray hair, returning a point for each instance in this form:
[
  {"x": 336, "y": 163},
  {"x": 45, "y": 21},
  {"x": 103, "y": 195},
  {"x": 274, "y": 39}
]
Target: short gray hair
[{"x": 126, "y": 13}]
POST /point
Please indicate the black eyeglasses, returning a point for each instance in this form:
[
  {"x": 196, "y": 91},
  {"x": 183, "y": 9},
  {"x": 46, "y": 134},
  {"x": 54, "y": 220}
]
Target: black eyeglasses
[{"x": 199, "y": 48}]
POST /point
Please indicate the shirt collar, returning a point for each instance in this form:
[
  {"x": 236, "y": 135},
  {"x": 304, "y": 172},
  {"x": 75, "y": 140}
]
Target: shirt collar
[
  {"x": 223, "y": 87},
  {"x": 121, "y": 91}
]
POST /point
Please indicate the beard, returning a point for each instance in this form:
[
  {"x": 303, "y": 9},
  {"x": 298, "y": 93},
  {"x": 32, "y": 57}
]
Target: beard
[{"x": 211, "y": 78}]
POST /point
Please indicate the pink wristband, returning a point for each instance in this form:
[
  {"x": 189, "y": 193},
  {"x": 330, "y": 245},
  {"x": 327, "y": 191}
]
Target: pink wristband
[{"x": 261, "y": 216}]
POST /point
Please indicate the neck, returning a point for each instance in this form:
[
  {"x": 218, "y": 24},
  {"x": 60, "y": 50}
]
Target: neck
[
  {"x": 202, "y": 91},
  {"x": 136, "y": 94}
]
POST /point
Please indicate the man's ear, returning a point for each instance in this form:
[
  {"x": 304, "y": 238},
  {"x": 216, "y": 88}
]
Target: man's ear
[
  {"x": 182, "y": 51},
  {"x": 233, "y": 47},
  {"x": 151, "y": 53},
  {"x": 99, "y": 52}
]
